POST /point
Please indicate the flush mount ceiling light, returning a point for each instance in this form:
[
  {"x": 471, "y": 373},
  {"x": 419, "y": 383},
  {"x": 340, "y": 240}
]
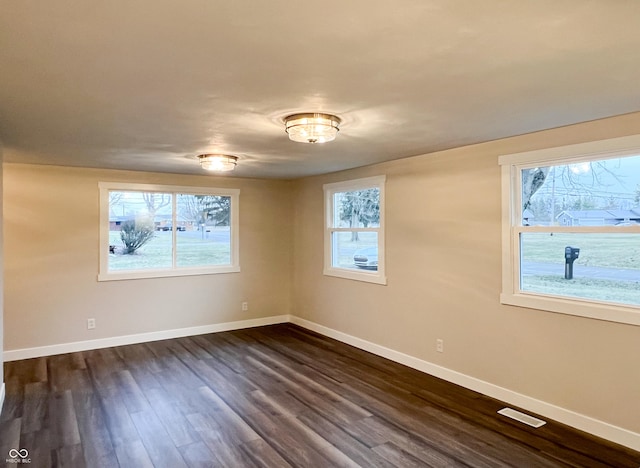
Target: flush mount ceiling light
[
  {"x": 311, "y": 127},
  {"x": 218, "y": 162}
]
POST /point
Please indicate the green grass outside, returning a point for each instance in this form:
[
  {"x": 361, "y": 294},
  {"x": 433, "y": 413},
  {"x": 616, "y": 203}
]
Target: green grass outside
[
  {"x": 621, "y": 251},
  {"x": 601, "y": 250},
  {"x": 193, "y": 251},
  {"x": 625, "y": 292}
]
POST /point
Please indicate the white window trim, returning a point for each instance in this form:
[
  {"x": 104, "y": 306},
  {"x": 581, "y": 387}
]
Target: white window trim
[
  {"x": 106, "y": 275},
  {"x": 377, "y": 277},
  {"x": 511, "y": 229}
]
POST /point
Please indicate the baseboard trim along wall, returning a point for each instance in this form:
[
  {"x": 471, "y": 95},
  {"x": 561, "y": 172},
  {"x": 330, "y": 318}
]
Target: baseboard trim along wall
[
  {"x": 27, "y": 353},
  {"x": 579, "y": 421}
]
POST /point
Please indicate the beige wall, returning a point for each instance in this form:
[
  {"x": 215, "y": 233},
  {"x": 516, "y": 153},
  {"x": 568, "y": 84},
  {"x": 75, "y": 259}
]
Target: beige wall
[
  {"x": 51, "y": 261},
  {"x": 443, "y": 252}
]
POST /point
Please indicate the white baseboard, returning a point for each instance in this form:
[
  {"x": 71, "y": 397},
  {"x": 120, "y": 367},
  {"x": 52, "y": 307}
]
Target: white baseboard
[
  {"x": 40, "y": 351},
  {"x": 1, "y": 397},
  {"x": 579, "y": 421}
]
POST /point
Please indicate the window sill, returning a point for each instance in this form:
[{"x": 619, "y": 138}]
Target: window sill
[
  {"x": 133, "y": 275},
  {"x": 367, "y": 277},
  {"x": 582, "y": 308}
]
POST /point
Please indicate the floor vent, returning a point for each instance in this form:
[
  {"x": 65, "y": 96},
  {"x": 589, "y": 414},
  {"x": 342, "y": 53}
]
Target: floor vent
[{"x": 523, "y": 418}]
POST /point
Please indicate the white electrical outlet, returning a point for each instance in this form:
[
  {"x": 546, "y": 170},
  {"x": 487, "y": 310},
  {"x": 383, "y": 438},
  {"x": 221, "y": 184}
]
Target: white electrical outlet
[
  {"x": 440, "y": 345},
  {"x": 245, "y": 306},
  {"x": 91, "y": 324}
]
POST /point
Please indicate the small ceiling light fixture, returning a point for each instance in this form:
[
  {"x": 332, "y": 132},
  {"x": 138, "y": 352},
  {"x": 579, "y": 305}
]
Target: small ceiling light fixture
[
  {"x": 312, "y": 127},
  {"x": 218, "y": 162}
]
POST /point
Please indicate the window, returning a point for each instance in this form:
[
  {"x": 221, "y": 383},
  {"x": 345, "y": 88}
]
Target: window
[
  {"x": 151, "y": 231},
  {"x": 571, "y": 229},
  {"x": 354, "y": 230}
]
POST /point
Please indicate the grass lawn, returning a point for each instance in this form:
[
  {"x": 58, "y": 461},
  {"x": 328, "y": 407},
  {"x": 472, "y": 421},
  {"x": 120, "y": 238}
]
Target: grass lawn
[
  {"x": 619, "y": 251},
  {"x": 626, "y": 292},
  {"x": 602, "y": 250},
  {"x": 193, "y": 249}
]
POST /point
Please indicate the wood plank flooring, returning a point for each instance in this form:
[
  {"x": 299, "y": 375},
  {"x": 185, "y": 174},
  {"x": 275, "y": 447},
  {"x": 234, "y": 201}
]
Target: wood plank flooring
[{"x": 272, "y": 396}]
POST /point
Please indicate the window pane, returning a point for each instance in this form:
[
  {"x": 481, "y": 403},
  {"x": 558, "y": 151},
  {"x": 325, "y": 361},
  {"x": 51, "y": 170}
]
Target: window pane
[
  {"x": 355, "y": 250},
  {"x": 596, "y": 193},
  {"x": 607, "y": 267},
  {"x": 139, "y": 230},
  {"x": 357, "y": 209},
  {"x": 203, "y": 233}
]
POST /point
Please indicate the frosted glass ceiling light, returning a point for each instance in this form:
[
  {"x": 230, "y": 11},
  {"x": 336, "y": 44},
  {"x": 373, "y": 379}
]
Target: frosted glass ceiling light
[
  {"x": 218, "y": 162},
  {"x": 312, "y": 128}
]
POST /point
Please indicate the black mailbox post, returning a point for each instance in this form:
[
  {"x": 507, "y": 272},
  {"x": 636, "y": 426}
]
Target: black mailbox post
[{"x": 570, "y": 256}]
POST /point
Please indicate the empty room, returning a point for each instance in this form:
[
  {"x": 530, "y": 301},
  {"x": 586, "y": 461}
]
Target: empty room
[{"x": 272, "y": 234}]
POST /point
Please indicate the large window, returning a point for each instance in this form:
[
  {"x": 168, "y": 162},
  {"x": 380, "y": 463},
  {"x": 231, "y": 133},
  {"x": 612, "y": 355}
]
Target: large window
[
  {"x": 571, "y": 229},
  {"x": 150, "y": 231},
  {"x": 354, "y": 229}
]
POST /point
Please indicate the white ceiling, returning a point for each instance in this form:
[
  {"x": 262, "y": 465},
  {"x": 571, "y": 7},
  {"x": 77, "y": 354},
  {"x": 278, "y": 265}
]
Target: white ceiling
[{"x": 149, "y": 84}]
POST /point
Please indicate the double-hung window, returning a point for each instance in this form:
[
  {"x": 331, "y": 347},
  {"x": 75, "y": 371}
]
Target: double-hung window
[
  {"x": 151, "y": 231},
  {"x": 571, "y": 229},
  {"x": 354, "y": 229}
]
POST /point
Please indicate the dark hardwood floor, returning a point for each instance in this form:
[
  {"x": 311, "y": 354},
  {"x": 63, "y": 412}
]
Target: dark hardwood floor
[{"x": 270, "y": 396}]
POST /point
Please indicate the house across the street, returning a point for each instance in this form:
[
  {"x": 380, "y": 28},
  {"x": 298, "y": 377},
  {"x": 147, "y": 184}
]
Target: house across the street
[{"x": 598, "y": 217}]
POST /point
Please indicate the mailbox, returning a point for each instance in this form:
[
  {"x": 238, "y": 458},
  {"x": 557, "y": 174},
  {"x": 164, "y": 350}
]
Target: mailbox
[
  {"x": 571, "y": 253},
  {"x": 570, "y": 256}
]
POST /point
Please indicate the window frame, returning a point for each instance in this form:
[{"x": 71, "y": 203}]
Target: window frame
[
  {"x": 512, "y": 227},
  {"x": 378, "y": 276},
  {"x": 103, "y": 270}
]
